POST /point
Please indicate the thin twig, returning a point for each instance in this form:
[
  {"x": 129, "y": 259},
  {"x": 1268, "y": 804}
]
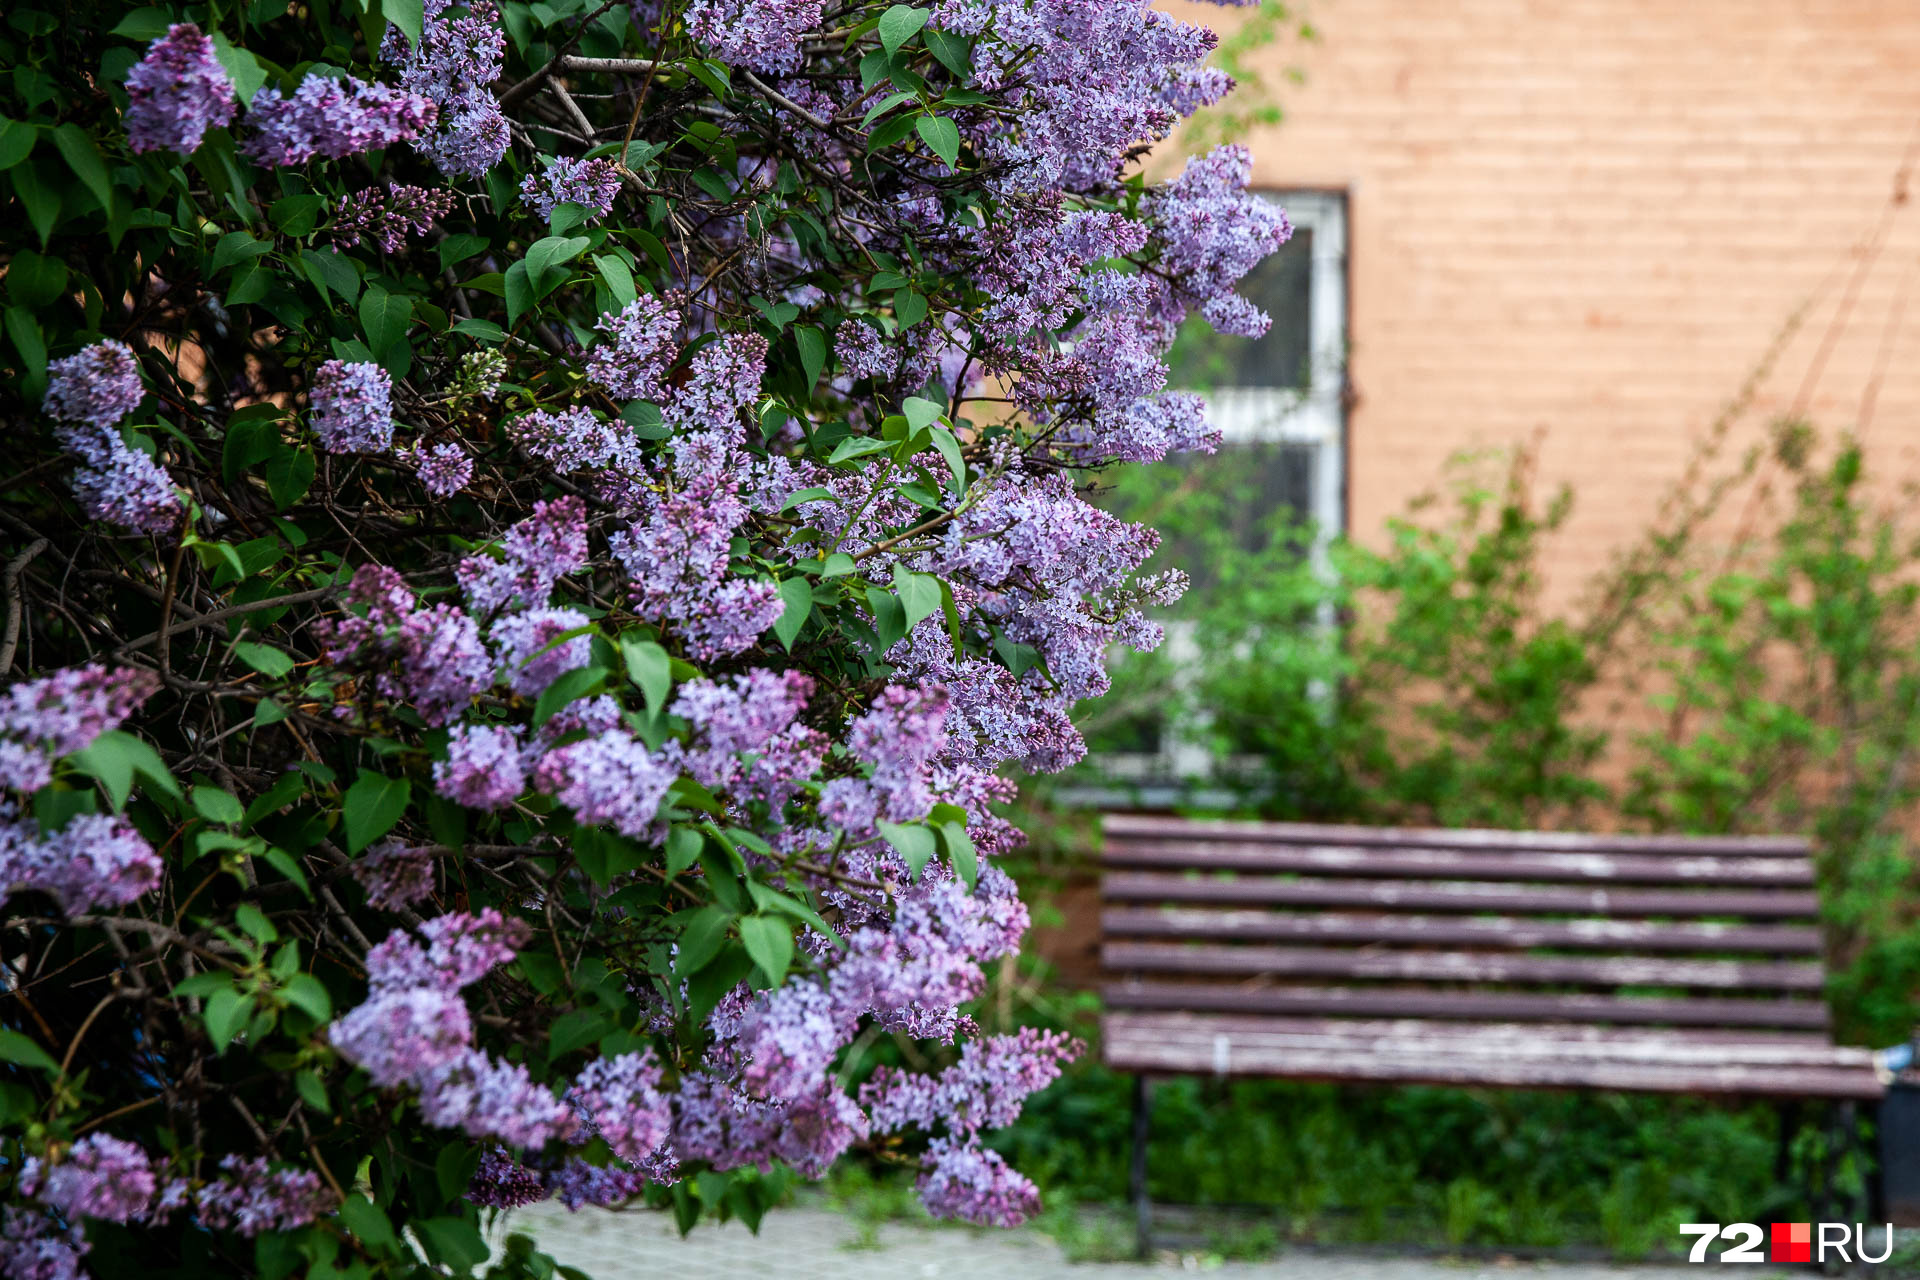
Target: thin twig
[{"x": 15, "y": 567}]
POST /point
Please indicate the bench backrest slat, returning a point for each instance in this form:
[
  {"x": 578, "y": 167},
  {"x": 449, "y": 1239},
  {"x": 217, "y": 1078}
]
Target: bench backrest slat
[{"x": 1312, "y": 920}]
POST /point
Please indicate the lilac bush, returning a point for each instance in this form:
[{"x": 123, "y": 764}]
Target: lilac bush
[{"x": 536, "y": 552}]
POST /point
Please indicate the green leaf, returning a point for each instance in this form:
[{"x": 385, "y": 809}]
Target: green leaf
[
  {"x": 519, "y": 293},
  {"x": 83, "y": 157},
  {"x": 797, "y": 595},
  {"x": 16, "y": 142},
  {"x": 485, "y": 330},
  {"x": 265, "y": 659},
  {"x": 34, "y": 280},
  {"x": 296, "y": 215},
  {"x": 143, "y": 25},
  {"x": 312, "y": 1091},
  {"x": 954, "y": 52},
  {"x": 700, "y": 938},
  {"x": 226, "y": 1013},
  {"x": 883, "y": 106},
  {"x": 770, "y": 943},
  {"x": 909, "y": 307},
  {"x": 372, "y": 806},
  {"x": 550, "y": 252},
  {"x": 649, "y": 668},
  {"x": 942, "y": 137},
  {"x": 115, "y": 757},
  {"x": 915, "y": 843},
  {"x": 857, "y": 447},
  {"x": 457, "y": 249},
  {"x": 385, "y": 317},
  {"x": 920, "y": 413},
  {"x": 839, "y": 564},
  {"x": 918, "y": 592},
  {"x": 960, "y": 851},
  {"x": 949, "y": 448},
  {"x": 813, "y": 352},
  {"x": 408, "y": 15},
  {"x": 568, "y": 687},
  {"x": 255, "y": 923},
  {"x": 683, "y": 849},
  {"x": 619, "y": 278},
  {"x": 289, "y": 475},
  {"x": 17, "y": 1048},
  {"x": 309, "y": 995},
  {"x": 242, "y": 68},
  {"x": 24, "y": 332},
  {"x": 217, "y": 804},
  {"x": 368, "y": 1223},
  {"x": 574, "y": 1031},
  {"x": 332, "y": 271},
  {"x": 899, "y": 25}
]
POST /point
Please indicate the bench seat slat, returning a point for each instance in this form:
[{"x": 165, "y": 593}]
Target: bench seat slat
[
  {"x": 1187, "y": 1048},
  {"x": 1511, "y": 1006},
  {"x": 1152, "y": 886},
  {"x": 1505, "y": 931},
  {"x": 1118, "y": 827},
  {"x": 1454, "y": 864},
  {"x": 1420, "y": 1036},
  {"x": 1463, "y": 966}
]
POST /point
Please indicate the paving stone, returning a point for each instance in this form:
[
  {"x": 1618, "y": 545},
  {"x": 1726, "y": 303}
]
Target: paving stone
[{"x": 808, "y": 1241}]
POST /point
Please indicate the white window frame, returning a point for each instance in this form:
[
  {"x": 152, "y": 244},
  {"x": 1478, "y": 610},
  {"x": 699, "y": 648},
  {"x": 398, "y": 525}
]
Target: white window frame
[{"x": 1266, "y": 415}]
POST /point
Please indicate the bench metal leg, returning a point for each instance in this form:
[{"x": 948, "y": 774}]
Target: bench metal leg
[{"x": 1137, "y": 1168}]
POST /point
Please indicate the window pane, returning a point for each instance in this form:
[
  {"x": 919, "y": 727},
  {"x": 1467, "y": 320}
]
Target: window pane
[{"x": 1282, "y": 286}]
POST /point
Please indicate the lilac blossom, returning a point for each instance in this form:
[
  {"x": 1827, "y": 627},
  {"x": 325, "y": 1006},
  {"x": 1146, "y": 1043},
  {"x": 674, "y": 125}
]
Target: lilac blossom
[
  {"x": 458, "y": 57},
  {"x": 59, "y": 714},
  {"x": 577, "y": 1184},
  {"x": 974, "y": 1184},
  {"x": 622, "y": 1099},
  {"x": 640, "y": 346},
  {"x": 96, "y": 387},
  {"x": 502, "y": 1182},
  {"x": 251, "y": 1198},
  {"x": 574, "y": 440},
  {"x": 389, "y": 217},
  {"x": 530, "y": 660},
  {"x": 120, "y": 484},
  {"x": 984, "y": 1090},
  {"x": 443, "y": 469},
  {"x": 331, "y": 119},
  {"x": 591, "y": 184},
  {"x": 763, "y": 35},
  {"x": 95, "y": 858},
  {"x": 483, "y": 768},
  {"x": 535, "y": 554},
  {"x": 35, "y": 1247},
  {"x": 352, "y": 407},
  {"x": 864, "y": 351},
  {"x": 99, "y": 1177},
  {"x": 611, "y": 779},
  {"x": 1214, "y": 231},
  {"x": 432, "y": 656},
  {"x": 177, "y": 92}
]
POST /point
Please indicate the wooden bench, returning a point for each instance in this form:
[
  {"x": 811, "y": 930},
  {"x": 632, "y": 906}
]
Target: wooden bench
[{"x": 1661, "y": 964}]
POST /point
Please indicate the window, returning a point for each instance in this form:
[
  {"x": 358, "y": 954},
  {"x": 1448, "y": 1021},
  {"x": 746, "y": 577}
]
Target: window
[{"x": 1279, "y": 404}]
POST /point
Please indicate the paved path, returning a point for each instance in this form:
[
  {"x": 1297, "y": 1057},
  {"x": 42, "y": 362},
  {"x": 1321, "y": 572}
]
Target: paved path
[{"x": 806, "y": 1242}]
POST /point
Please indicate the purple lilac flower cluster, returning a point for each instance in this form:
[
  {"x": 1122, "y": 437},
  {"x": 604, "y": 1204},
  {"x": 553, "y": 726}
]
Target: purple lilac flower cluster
[
  {"x": 389, "y": 217},
  {"x": 251, "y": 1198},
  {"x": 177, "y": 92},
  {"x": 94, "y": 859},
  {"x": 458, "y": 57},
  {"x": 33, "y": 1246},
  {"x": 332, "y": 119},
  {"x": 57, "y": 715},
  {"x": 444, "y": 469},
  {"x": 414, "y": 1030},
  {"x": 592, "y": 184},
  {"x": 864, "y": 351},
  {"x": 763, "y": 35},
  {"x": 115, "y": 482},
  {"x": 352, "y": 407},
  {"x": 639, "y": 349}
]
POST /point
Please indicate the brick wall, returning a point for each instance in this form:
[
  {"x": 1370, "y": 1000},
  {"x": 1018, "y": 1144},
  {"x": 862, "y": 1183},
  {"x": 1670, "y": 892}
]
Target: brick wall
[
  {"x": 1591, "y": 218},
  {"x": 1586, "y": 222}
]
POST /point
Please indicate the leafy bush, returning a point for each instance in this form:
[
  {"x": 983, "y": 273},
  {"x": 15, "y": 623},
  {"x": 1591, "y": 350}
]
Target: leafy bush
[
  {"x": 1785, "y": 664},
  {"x": 530, "y": 531}
]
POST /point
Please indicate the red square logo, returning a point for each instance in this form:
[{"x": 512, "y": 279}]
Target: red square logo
[{"x": 1792, "y": 1242}]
